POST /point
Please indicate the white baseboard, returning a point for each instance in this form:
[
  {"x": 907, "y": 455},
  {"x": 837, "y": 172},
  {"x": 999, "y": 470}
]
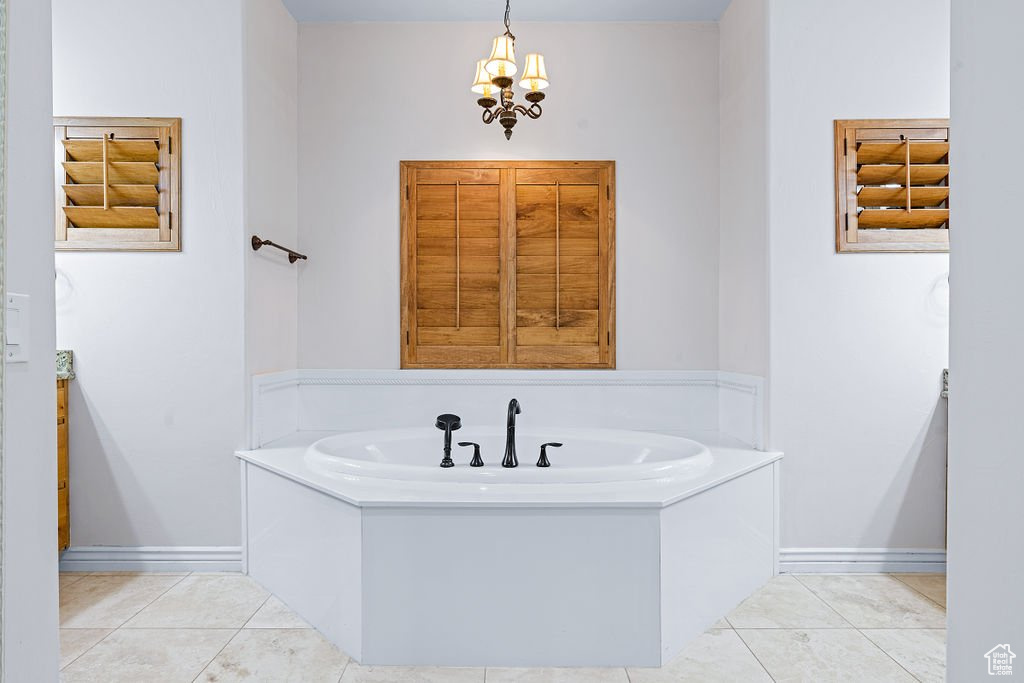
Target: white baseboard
[
  {"x": 152, "y": 559},
  {"x": 861, "y": 560},
  {"x": 229, "y": 559}
]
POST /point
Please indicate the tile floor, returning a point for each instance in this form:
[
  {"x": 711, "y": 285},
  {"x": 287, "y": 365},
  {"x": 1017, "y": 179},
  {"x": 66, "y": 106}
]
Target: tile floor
[{"x": 143, "y": 628}]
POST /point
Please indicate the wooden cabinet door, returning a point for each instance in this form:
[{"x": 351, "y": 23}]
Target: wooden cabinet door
[
  {"x": 562, "y": 274},
  {"x": 453, "y": 279},
  {"x": 63, "y": 509}
]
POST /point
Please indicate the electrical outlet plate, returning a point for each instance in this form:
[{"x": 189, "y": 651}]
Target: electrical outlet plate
[{"x": 16, "y": 328}]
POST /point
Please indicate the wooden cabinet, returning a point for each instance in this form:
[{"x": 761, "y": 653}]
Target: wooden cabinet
[
  {"x": 63, "y": 510},
  {"x": 508, "y": 264}
]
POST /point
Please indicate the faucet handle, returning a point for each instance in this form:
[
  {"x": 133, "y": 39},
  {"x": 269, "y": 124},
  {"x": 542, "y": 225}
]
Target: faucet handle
[
  {"x": 543, "y": 461},
  {"x": 477, "y": 461}
]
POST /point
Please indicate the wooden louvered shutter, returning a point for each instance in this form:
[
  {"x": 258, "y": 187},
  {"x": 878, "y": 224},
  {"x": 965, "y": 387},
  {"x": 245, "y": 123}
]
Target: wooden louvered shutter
[
  {"x": 508, "y": 264},
  {"x": 454, "y": 264},
  {"x": 562, "y": 243},
  {"x": 892, "y": 185},
  {"x": 117, "y": 184}
]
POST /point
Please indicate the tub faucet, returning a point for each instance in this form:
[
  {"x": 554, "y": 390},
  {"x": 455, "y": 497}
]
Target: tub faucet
[
  {"x": 510, "y": 459},
  {"x": 449, "y": 423}
]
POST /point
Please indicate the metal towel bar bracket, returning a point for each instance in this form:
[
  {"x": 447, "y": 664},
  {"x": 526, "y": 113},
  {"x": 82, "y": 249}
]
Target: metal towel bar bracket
[{"x": 293, "y": 256}]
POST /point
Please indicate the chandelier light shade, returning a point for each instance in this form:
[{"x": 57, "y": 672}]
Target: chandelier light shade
[
  {"x": 502, "y": 61},
  {"x": 535, "y": 77},
  {"x": 494, "y": 81},
  {"x": 482, "y": 83}
]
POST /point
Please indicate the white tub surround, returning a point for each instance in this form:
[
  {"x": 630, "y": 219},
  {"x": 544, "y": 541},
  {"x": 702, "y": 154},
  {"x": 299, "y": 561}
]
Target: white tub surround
[
  {"x": 707, "y": 402},
  {"x": 595, "y": 561}
]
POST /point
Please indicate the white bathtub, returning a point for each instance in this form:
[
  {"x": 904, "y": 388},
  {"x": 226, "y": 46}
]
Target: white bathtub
[
  {"x": 627, "y": 548},
  {"x": 587, "y": 456}
]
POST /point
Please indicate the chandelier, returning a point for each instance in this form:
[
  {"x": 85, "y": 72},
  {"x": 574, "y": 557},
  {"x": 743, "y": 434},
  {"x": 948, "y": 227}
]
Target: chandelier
[{"x": 494, "y": 82}]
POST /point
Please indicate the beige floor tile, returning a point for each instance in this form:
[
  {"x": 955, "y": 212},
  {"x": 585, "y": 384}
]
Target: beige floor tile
[
  {"x": 68, "y": 578},
  {"x": 275, "y": 614},
  {"x": 109, "y": 601},
  {"x": 149, "y": 655},
  {"x": 75, "y": 641},
  {"x": 277, "y": 656},
  {"x": 822, "y": 656},
  {"x": 875, "y": 601},
  {"x": 556, "y": 675},
  {"x": 204, "y": 601},
  {"x": 922, "y": 652},
  {"x": 356, "y": 673},
  {"x": 717, "y": 656},
  {"x": 784, "y": 602},
  {"x": 931, "y": 585}
]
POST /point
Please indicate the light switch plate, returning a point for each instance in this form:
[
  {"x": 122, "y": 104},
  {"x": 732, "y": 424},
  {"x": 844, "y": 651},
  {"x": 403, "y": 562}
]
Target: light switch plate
[{"x": 16, "y": 328}]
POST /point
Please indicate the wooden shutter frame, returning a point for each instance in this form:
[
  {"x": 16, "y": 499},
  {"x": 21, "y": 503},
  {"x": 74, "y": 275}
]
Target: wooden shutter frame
[
  {"x": 850, "y": 239},
  {"x": 168, "y": 136},
  {"x": 507, "y": 239}
]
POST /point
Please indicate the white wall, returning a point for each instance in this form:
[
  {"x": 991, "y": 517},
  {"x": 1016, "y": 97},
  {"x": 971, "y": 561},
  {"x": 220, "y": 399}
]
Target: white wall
[
  {"x": 158, "y": 406},
  {"x": 743, "y": 199},
  {"x": 986, "y": 469},
  {"x": 270, "y": 64},
  {"x": 858, "y": 342},
  {"x": 30, "y": 440},
  {"x": 645, "y": 95}
]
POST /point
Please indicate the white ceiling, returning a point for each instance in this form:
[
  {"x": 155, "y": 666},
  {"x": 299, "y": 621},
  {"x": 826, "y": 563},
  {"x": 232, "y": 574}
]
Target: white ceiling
[{"x": 494, "y": 10}]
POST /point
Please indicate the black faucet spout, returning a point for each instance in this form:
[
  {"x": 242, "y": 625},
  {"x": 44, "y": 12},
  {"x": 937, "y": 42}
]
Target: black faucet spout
[{"x": 510, "y": 459}]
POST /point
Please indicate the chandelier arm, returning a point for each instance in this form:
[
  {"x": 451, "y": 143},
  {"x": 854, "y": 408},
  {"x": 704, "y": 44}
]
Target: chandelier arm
[
  {"x": 533, "y": 112},
  {"x": 488, "y": 116}
]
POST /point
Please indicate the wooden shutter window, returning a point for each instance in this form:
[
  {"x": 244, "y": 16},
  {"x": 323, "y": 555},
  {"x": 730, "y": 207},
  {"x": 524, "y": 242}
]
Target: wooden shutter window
[
  {"x": 508, "y": 264},
  {"x": 117, "y": 184},
  {"x": 892, "y": 185},
  {"x": 559, "y": 257},
  {"x": 455, "y": 253}
]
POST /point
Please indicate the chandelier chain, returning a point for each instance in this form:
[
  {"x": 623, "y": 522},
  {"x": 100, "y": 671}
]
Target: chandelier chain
[{"x": 508, "y": 21}]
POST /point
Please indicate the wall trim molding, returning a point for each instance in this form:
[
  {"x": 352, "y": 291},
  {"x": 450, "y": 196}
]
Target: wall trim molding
[
  {"x": 554, "y": 378},
  {"x": 741, "y": 407},
  {"x": 152, "y": 559},
  {"x": 861, "y": 560},
  {"x": 505, "y": 381}
]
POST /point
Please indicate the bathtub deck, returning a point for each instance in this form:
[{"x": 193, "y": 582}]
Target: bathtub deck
[{"x": 285, "y": 457}]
